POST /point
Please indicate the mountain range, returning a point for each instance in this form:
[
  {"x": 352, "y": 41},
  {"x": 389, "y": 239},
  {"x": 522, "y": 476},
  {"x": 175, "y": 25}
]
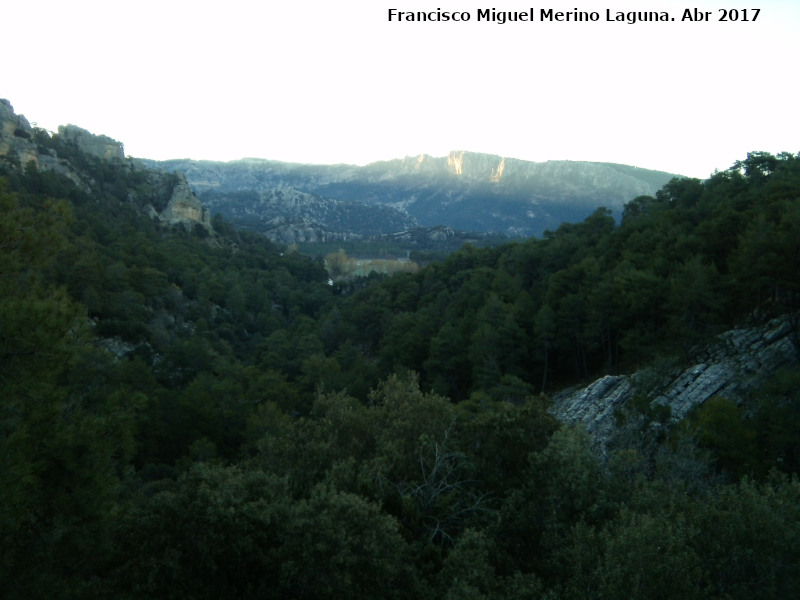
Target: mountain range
[
  {"x": 301, "y": 203},
  {"x": 465, "y": 191}
]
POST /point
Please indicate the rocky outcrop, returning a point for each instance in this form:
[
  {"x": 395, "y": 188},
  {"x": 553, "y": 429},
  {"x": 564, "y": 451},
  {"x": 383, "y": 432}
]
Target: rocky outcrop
[
  {"x": 440, "y": 233},
  {"x": 739, "y": 360},
  {"x": 16, "y": 136},
  {"x": 19, "y": 147},
  {"x": 283, "y": 230},
  {"x": 166, "y": 197},
  {"x": 183, "y": 207},
  {"x": 421, "y": 234},
  {"x": 100, "y": 146},
  {"x": 594, "y": 406}
]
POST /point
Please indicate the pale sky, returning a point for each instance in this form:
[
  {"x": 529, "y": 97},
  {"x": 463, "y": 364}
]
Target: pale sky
[{"x": 323, "y": 81}]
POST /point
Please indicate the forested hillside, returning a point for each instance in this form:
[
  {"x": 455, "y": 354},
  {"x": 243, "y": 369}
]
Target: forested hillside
[{"x": 188, "y": 413}]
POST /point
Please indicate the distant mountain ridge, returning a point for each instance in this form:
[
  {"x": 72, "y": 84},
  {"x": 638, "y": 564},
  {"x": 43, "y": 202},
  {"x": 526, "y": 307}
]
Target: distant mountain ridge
[
  {"x": 467, "y": 191},
  {"x": 290, "y": 202}
]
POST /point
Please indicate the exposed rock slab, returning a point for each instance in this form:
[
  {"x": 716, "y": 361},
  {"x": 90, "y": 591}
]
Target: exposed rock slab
[{"x": 740, "y": 360}]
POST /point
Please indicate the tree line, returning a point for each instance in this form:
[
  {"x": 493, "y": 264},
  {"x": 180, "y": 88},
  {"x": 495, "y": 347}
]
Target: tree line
[{"x": 195, "y": 416}]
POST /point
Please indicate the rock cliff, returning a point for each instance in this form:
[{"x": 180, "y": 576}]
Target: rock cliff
[
  {"x": 100, "y": 146},
  {"x": 562, "y": 176},
  {"x": 738, "y": 361},
  {"x": 16, "y": 135},
  {"x": 165, "y": 196},
  {"x": 183, "y": 207}
]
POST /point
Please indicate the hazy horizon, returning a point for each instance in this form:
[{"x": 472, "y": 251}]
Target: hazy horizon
[{"x": 322, "y": 83}]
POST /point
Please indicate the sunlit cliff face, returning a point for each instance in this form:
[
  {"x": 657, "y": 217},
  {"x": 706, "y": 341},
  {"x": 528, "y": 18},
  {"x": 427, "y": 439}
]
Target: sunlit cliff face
[
  {"x": 455, "y": 161},
  {"x": 498, "y": 172}
]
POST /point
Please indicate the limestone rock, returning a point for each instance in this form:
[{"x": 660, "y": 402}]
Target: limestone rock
[
  {"x": 16, "y": 135},
  {"x": 441, "y": 233},
  {"x": 19, "y": 147},
  {"x": 740, "y": 360},
  {"x": 183, "y": 206},
  {"x": 288, "y": 231},
  {"x": 166, "y": 197},
  {"x": 100, "y": 146},
  {"x": 594, "y": 405},
  {"x": 11, "y": 124}
]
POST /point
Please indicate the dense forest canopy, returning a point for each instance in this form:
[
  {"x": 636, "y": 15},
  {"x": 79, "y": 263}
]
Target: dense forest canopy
[{"x": 197, "y": 414}]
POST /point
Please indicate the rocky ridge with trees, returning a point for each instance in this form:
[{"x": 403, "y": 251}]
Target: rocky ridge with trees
[
  {"x": 467, "y": 191},
  {"x": 74, "y": 152}
]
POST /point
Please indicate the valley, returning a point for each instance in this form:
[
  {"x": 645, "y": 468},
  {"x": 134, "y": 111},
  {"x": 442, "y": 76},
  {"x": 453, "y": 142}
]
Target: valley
[{"x": 267, "y": 405}]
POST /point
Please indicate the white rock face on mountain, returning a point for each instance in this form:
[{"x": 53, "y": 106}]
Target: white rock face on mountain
[{"x": 555, "y": 174}]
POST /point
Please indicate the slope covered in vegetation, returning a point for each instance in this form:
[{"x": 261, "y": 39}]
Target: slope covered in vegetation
[{"x": 200, "y": 415}]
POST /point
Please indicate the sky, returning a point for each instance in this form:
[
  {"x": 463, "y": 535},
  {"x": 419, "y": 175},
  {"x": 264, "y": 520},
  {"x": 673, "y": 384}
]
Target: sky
[{"x": 317, "y": 81}]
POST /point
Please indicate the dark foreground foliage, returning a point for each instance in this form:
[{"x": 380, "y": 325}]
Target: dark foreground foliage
[{"x": 185, "y": 415}]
